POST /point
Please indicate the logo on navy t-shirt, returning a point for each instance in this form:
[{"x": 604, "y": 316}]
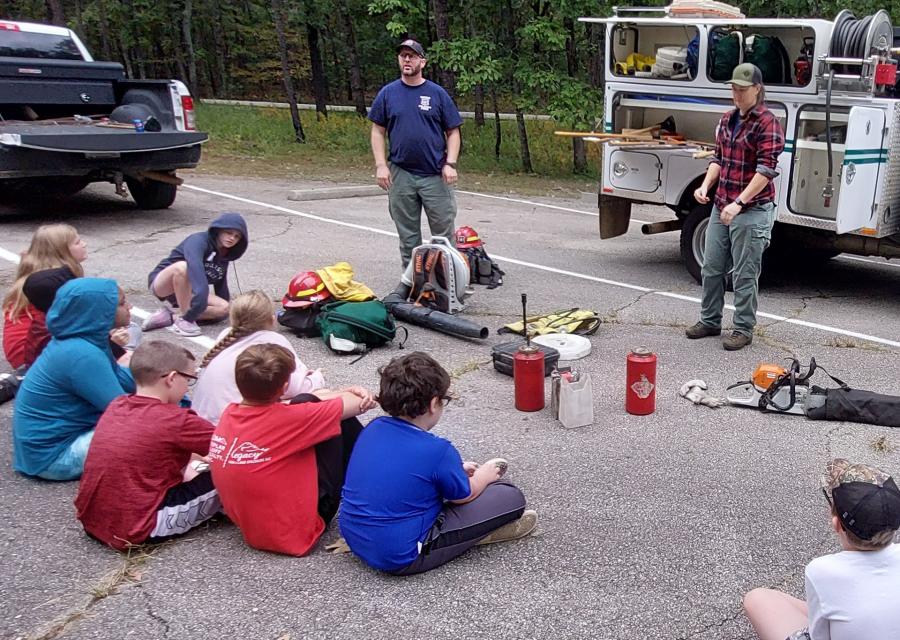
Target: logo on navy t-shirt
[
  {"x": 214, "y": 271},
  {"x": 425, "y": 103}
]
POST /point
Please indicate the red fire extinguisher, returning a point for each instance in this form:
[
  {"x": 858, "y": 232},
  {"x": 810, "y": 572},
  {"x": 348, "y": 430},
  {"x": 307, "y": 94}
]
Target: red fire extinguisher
[
  {"x": 528, "y": 372},
  {"x": 640, "y": 381}
]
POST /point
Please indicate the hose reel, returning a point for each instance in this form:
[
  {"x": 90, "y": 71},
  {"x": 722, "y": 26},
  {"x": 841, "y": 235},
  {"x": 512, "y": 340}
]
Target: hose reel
[
  {"x": 855, "y": 40},
  {"x": 860, "y": 38}
]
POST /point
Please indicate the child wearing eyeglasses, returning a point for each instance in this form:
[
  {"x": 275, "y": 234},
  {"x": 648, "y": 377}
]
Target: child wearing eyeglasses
[
  {"x": 139, "y": 484},
  {"x": 850, "y": 595},
  {"x": 278, "y": 466},
  {"x": 410, "y": 503}
]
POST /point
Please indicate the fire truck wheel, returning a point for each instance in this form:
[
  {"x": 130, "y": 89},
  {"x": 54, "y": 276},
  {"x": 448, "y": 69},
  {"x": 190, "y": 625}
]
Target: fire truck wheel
[{"x": 693, "y": 238}]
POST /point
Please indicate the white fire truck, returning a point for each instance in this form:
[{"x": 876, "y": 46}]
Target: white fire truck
[{"x": 832, "y": 84}]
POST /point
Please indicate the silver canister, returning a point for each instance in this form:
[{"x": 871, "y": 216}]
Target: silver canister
[{"x": 555, "y": 383}]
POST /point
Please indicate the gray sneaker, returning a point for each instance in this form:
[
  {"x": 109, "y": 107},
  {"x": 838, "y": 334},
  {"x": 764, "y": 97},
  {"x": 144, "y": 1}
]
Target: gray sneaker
[
  {"x": 185, "y": 327},
  {"x": 513, "y": 530},
  {"x": 736, "y": 341},
  {"x": 161, "y": 318},
  {"x": 701, "y": 330}
]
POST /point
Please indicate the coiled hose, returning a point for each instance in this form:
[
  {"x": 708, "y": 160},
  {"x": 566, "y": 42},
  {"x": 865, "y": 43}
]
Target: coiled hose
[{"x": 848, "y": 40}]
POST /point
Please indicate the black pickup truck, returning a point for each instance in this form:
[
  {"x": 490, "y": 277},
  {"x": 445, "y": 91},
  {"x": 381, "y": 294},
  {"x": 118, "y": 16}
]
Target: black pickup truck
[{"x": 67, "y": 121}]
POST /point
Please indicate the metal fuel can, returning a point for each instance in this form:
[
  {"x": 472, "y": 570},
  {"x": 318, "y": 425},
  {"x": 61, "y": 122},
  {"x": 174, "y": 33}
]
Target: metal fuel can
[
  {"x": 555, "y": 383},
  {"x": 640, "y": 382}
]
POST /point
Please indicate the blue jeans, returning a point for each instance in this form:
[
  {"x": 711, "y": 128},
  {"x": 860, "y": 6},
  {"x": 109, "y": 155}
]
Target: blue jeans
[
  {"x": 737, "y": 247},
  {"x": 70, "y": 463}
]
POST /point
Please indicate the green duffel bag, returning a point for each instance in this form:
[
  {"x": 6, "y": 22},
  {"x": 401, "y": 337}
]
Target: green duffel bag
[
  {"x": 768, "y": 53},
  {"x": 355, "y": 327},
  {"x": 726, "y": 52}
]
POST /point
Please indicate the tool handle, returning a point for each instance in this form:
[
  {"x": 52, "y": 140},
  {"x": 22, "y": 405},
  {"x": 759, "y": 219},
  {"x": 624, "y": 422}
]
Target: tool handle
[{"x": 525, "y": 320}]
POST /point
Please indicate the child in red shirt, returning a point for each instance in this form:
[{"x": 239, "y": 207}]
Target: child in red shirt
[
  {"x": 136, "y": 486},
  {"x": 279, "y": 468}
]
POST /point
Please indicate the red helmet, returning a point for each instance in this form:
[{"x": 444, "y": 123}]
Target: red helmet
[
  {"x": 467, "y": 237},
  {"x": 305, "y": 288}
]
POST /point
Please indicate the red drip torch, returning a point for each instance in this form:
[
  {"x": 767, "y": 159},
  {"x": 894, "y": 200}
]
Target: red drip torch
[
  {"x": 640, "y": 381},
  {"x": 528, "y": 371}
]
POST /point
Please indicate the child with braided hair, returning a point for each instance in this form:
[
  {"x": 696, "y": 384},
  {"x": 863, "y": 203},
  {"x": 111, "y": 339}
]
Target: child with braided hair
[{"x": 252, "y": 317}]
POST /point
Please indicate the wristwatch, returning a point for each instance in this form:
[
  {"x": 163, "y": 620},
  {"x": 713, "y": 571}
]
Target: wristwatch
[
  {"x": 740, "y": 203},
  {"x": 452, "y": 165}
]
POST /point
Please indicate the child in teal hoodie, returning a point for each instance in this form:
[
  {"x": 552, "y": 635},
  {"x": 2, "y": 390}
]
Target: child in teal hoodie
[{"x": 71, "y": 383}]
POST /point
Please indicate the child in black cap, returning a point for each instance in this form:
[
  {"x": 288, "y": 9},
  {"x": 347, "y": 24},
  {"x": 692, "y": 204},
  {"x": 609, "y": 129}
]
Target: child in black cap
[{"x": 850, "y": 595}]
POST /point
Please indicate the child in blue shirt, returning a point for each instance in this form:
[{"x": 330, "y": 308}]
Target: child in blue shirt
[{"x": 410, "y": 503}]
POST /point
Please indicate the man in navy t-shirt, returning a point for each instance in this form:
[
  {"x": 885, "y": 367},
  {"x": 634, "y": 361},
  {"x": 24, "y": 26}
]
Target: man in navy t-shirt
[{"x": 422, "y": 123}]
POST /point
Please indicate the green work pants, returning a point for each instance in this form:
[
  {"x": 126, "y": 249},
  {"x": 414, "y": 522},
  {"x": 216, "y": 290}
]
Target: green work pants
[
  {"x": 738, "y": 248},
  {"x": 407, "y": 196}
]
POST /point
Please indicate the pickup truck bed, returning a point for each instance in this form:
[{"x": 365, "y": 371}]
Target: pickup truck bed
[
  {"x": 66, "y": 121},
  {"x": 27, "y": 149},
  {"x": 92, "y": 138}
]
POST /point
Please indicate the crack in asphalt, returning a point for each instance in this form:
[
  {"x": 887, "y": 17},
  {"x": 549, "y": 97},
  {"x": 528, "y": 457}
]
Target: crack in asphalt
[
  {"x": 612, "y": 317},
  {"x": 129, "y": 573},
  {"x": 828, "y": 436},
  {"x": 291, "y": 221},
  {"x": 142, "y": 239},
  {"x": 155, "y": 616},
  {"x": 714, "y": 625}
]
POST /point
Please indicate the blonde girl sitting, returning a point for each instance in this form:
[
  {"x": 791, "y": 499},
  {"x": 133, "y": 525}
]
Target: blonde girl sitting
[
  {"x": 53, "y": 258},
  {"x": 252, "y": 317}
]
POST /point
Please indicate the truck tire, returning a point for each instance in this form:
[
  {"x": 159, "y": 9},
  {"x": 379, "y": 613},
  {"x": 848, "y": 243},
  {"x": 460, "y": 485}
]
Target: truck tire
[
  {"x": 789, "y": 250},
  {"x": 151, "y": 194},
  {"x": 693, "y": 238}
]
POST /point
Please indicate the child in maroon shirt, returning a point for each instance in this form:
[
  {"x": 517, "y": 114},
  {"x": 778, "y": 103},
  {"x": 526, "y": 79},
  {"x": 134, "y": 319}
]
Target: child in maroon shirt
[{"x": 136, "y": 485}]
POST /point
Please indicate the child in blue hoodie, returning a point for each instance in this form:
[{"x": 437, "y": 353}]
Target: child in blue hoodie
[
  {"x": 184, "y": 277},
  {"x": 71, "y": 383}
]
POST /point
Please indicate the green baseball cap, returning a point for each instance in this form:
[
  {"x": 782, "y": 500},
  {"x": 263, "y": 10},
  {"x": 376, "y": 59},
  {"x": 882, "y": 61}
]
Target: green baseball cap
[{"x": 746, "y": 75}]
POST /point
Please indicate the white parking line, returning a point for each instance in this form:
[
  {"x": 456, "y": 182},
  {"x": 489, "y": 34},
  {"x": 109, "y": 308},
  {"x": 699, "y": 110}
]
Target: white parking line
[
  {"x": 884, "y": 263},
  {"x": 548, "y": 269},
  {"x": 203, "y": 341},
  {"x": 594, "y": 214}
]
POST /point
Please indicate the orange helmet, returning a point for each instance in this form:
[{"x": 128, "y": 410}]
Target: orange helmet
[
  {"x": 467, "y": 237},
  {"x": 306, "y": 288}
]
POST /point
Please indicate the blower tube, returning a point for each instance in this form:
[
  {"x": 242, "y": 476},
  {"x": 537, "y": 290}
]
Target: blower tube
[{"x": 437, "y": 320}]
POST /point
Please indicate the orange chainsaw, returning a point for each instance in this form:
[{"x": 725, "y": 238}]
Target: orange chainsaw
[{"x": 774, "y": 388}]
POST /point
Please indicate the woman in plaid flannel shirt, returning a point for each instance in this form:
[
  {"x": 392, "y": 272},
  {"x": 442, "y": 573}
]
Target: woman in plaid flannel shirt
[{"x": 749, "y": 140}]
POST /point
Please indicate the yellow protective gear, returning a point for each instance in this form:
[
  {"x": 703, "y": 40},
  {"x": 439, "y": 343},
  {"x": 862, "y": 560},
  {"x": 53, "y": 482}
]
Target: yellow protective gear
[
  {"x": 338, "y": 279},
  {"x": 578, "y": 321}
]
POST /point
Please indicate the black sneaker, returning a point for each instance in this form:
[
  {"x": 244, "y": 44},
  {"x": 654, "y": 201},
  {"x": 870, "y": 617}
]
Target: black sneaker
[
  {"x": 701, "y": 330},
  {"x": 736, "y": 341}
]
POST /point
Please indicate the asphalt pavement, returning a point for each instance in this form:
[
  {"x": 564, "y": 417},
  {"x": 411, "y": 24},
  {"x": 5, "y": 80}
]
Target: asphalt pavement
[{"x": 649, "y": 526}]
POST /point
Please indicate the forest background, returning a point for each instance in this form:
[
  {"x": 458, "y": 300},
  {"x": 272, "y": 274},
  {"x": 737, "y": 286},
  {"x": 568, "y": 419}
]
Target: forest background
[{"x": 513, "y": 56}]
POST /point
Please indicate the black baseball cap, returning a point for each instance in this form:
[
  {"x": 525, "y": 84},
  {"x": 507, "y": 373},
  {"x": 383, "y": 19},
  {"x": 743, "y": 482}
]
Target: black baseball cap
[
  {"x": 409, "y": 43},
  {"x": 866, "y": 499}
]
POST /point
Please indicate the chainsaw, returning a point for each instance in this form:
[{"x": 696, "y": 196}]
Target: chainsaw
[{"x": 774, "y": 388}]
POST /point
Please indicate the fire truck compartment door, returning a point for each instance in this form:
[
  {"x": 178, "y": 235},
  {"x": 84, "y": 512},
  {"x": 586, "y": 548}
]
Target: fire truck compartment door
[
  {"x": 634, "y": 170},
  {"x": 864, "y": 157}
]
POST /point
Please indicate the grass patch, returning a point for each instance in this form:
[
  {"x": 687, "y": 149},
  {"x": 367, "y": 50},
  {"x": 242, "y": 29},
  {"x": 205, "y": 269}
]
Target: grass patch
[
  {"x": 129, "y": 572},
  {"x": 841, "y": 342},
  {"x": 882, "y": 444},
  {"x": 468, "y": 367},
  {"x": 260, "y": 141}
]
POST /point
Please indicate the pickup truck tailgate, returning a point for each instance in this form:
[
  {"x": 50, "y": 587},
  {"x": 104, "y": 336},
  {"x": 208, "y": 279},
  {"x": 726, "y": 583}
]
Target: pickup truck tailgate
[{"x": 93, "y": 138}]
